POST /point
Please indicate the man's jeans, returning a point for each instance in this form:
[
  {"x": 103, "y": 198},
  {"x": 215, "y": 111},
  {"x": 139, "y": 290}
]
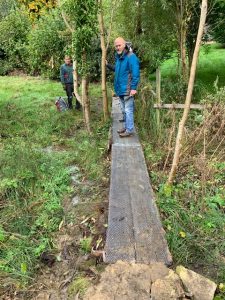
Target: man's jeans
[{"x": 127, "y": 107}]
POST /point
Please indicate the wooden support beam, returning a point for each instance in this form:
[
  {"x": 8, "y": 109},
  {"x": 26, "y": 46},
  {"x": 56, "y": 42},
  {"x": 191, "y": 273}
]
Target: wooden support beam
[{"x": 178, "y": 106}]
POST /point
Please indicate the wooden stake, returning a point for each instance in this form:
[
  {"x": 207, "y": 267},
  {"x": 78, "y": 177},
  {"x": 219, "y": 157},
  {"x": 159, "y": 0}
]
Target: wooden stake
[
  {"x": 103, "y": 62},
  {"x": 189, "y": 94}
]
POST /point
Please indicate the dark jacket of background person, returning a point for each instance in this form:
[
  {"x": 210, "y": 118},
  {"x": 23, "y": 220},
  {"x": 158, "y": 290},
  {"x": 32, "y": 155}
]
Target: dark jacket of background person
[
  {"x": 66, "y": 74},
  {"x": 66, "y": 77}
]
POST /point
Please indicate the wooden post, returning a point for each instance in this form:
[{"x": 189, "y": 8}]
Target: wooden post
[
  {"x": 189, "y": 94},
  {"x": 158, "y": 96},
  {"x": 158, "y": 85},
  {"x": 103, "y": 64},
  {"x": 86, "y": 102}
]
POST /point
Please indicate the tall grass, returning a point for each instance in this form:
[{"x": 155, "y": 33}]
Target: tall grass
[
  {"x": 193, "y": 209},
  {"x": 38, "y": 144}
]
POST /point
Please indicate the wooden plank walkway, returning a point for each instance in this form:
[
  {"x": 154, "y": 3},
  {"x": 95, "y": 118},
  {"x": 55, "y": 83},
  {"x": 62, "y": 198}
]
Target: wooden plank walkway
[{"x": 134, "y": 229}]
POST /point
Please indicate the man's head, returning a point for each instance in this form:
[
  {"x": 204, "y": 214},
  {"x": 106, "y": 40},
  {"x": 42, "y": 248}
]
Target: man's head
[
  {"x": 120, "y": 45},
  {"x": 67, "y": 60}
]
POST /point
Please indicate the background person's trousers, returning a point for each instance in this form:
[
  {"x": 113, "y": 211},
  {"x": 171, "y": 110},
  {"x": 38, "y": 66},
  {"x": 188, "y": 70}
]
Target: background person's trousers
[{"x": 69, "y": 93}]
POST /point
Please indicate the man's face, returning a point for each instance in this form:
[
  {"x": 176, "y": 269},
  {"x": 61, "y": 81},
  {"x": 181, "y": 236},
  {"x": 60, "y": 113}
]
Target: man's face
[
  {"x": 119, "y": 46},
  {"x": 67, "y": 61}
]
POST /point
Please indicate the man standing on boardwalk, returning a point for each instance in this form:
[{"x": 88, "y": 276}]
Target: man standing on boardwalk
[
  {"x": 66, "y": 77},
  {"x": 127, "y": 76}
]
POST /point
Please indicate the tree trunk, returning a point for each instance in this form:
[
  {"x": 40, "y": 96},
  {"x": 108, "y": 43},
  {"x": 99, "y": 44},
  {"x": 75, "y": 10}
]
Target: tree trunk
[
  {"x": 139, "y": 20},
  {"x": 184, "y": 53},
  {"x": 75, "y": 77},
  {"x": 86, "y": 102},
  {"x": 76, "y": 83},
  {"x": 182, "y": 35},
  {"x": 103, "y": 64},
  {"x": 190, "y": 53},
  {"x": 189, "y": 94},
  {"x": 85, "y": 98},
  {"x": 158, "y": 97}
]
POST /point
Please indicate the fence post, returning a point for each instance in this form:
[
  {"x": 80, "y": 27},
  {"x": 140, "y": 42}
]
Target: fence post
[
  {"x": 158, "y": 85},
  {"x": 158, "y": 97}
]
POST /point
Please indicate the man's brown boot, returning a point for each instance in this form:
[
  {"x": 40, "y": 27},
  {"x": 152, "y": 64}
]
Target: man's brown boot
[
  {"x": 121, "y": 130},
  {"x": 126, "y": 134}
]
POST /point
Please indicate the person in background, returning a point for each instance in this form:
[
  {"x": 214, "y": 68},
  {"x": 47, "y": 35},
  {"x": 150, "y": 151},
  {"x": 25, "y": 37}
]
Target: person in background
[
  {"x": 66, "y": 77},
  {"x": 127, "y": 76}
]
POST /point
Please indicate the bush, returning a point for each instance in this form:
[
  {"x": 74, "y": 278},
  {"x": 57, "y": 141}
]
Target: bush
[
  {"x": 6, "y": 7},
  {"x": 14, "y": 29},
  {"x": 5, "y": 67},
  {"x": 47, "y": 45}
]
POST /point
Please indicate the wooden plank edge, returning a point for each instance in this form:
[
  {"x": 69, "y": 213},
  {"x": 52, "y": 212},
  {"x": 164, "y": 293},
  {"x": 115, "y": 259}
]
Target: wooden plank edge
[{"x": 178, "y": 106}]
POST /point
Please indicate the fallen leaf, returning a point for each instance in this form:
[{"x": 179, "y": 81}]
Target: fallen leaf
[
  {"x": 61, "y": 224},
  {"x": 182, "y": 234}
]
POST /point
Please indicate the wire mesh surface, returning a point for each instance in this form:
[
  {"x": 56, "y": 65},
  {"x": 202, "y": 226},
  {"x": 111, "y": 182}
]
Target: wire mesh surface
[{"x": 134, "y": 229}]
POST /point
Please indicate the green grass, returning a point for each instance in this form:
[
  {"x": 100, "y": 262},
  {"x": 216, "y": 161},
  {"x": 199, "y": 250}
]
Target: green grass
[
  {"x": 211, "y": 67},
  {"x": 192, "y": 210},
  {"x": 33, "y": 181}
]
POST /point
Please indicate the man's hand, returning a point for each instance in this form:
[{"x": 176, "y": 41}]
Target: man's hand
[{"x": 133, "y": 92}]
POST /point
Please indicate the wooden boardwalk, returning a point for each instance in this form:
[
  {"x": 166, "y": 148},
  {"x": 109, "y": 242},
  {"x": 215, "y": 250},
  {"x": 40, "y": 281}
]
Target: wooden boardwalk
[{"x": 134, "y": 229}]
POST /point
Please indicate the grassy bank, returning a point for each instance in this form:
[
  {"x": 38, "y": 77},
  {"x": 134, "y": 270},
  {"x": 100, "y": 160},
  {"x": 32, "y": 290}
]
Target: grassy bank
[
  {"x": 38, "y": 146},
  {"x": 210, "y": 75},
  {"x": 192, "y": 210}
]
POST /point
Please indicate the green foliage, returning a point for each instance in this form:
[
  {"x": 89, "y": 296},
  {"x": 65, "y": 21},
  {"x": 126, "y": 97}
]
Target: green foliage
[
  {"x": 209, "y": 70},
  {"x": 14, "y": 29},
  {"x": 193, "y": 225},
  {"x": 150, "y": 122},
  {"x": 32, "y": 190},
  {"x": 85, "y": 245},
  {"x": 216, "y": 20},
  {"x": 79, "y": 285},
  {"x": 6, "y": 7},
  {"x": 192, "y": 209},
  {"x": 37, "y": 8},
  {"x": 150, "y": 27},
  {"x": 83, "y": 15},
  {"x": 47, "y": 45},
  {"x": 6, "y": 67}
]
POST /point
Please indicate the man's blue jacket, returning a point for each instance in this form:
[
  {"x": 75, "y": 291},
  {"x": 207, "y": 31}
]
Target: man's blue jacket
[{"x": 127, "y": 73}]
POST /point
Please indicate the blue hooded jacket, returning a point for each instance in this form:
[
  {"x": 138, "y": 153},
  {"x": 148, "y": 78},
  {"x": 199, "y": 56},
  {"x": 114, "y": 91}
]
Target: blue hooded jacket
[{"x": 127, "y": 73}]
